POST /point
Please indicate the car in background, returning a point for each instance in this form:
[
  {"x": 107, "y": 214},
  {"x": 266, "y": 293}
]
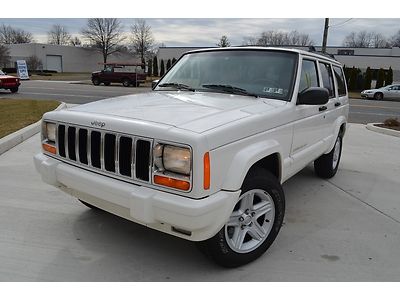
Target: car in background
[
  {"x": 8, "y": 82},
  {"x": 386, "y": 92},
  {"x": 127, "y": 74}
]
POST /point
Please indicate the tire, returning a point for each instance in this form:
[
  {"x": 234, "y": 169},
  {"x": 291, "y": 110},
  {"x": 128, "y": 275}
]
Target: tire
[
  {"x": 96, "y": 81},
  {"x": 107, "y": 83},
  {"x": 260, "y": 216},
  {"x": 327, "y": 165},
  {"x": 89, "y": 205},
  {"x": 14, "y": 90},
  {"x": 126, "y": 82},
  {"x": 378, "y": 96},
  {"x": 137, "y": 84}
]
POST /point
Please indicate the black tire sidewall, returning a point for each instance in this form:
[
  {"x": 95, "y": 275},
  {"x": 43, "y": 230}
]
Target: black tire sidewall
[
  {"x": 218, "y": 248},
  {"x": 323, "y": 166}
]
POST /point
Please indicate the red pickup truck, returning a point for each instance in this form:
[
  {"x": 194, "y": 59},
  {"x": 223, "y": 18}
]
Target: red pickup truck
[
  {"x": 127, "y": 74},
  {"x": 9, "y": 82}
]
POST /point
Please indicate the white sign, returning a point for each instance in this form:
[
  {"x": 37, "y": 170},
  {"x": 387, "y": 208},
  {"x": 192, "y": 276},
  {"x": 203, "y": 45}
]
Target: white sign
[{"x": 22, "y": 69}]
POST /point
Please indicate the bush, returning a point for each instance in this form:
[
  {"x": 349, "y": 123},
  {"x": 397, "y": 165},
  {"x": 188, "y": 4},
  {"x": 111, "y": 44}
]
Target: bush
[
  {"x": 389, "y": 76},
  {"x": 368, "y": 79},
  {"x": 162, "y": 69},
  {"x": 155, "y": 66},
  {"x": 168, "y": 64},
  {"x": 392, "y": 122}
]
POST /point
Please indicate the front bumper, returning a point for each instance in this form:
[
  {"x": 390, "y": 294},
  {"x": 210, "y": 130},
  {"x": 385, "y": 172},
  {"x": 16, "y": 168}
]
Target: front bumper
[
  {"x": 191, "y": 219},
  {"x": 367, "y": 96}
]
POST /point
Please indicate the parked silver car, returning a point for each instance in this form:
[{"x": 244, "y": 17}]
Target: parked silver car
[{"x": 387, "y": 92}]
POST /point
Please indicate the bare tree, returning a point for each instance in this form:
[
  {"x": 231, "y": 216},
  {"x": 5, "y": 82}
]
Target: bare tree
[
  {"x": 105, "y": 35},
  {"x": 358, "y": 39},
  {"x": 280, "y": 38},
  {"x": 34, "y": 63},
  {"x": 75, "y": 41},
  {"x": 4, "y": 56},
  {"x": 10, "y": 35},
  {"x": 58, "y": 35},
  {"x": 224, "y": 42},
  {"x": 395, "y": 40},
  {"x": 379, "y": 41},
  {"x": 142, "y": 39}
]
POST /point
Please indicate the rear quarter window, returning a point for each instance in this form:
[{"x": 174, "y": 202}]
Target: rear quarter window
[{"x": 340, "y": 80}]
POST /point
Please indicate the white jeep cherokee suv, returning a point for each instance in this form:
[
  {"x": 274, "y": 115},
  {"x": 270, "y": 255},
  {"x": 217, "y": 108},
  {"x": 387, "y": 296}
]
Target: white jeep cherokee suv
[{"x": 203, "y": 155}]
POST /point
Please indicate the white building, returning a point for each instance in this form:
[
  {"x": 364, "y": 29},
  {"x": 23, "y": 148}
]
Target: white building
[
  {"x": 362, "y": 58},
  {"x": 65, "y": 58}
]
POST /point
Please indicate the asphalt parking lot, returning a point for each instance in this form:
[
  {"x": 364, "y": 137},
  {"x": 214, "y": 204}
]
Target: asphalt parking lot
[{"x": 343, "y": 229}]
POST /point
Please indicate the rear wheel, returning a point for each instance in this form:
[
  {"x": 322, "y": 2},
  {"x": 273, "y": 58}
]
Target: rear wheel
[
  {"x": 96, "y": 81},
  {"x": 14, "y": 90},
  {"x": 378, "y": 96},
  {"x": 126, "y": 82},
  {"x": 327, "y": 165},
  {"x": 253, "y": 224}
]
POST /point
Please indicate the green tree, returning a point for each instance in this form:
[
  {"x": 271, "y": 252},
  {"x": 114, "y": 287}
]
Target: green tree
[
  {"x": 368, "y": 79},
  {"x": 224, "y": 42},
  {"x": 149, "y": 67},
  {"x": 168, "y": 64},
  {"x": 380, "y": 79},
  {"x": 389, "y": 76},
  {"x": 353, "y": 79},
  {"x": 155, "y": 66},
  {"x": 162, "y": 68}
]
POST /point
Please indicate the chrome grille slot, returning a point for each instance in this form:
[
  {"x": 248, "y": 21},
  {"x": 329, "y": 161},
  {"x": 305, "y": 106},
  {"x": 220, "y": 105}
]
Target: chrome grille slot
[
  {"x": 115, "y": 154},
  {"x": 71, "y": 143},
  {"x": 83, "y": 146},
  {"x": 61, "y": 140},
  {"x": 142, "y": 160},
  {"x": 95, "y": 142},
  {"x": 125, "y": 156},
  {"x": 109, "y": 152}
]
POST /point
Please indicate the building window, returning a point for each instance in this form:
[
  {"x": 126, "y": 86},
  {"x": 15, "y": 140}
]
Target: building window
[{"x": 345, "y": 52}]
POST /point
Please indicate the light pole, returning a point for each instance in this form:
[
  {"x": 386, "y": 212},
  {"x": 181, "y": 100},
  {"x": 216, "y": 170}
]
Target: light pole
[{"x": 325, "y": 38}]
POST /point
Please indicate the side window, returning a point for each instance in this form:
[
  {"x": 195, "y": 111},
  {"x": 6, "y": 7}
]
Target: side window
[
  {"x": 309, "y": 77},
  {"x": 340, "y": 80},
  {"x": 327, "y": 78}
]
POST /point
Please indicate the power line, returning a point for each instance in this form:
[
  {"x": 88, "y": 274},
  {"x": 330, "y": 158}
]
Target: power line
[{"x": 340, "y": 24}]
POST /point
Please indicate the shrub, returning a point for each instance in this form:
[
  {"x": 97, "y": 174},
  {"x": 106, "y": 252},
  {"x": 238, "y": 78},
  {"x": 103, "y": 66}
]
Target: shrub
[
  {"x": 155, "y": 66},
  {"x": 391, "y": 122},
  {"x": 380, "y": 79},
  {"x": 389, "y": 76},
  {"x": 162, "y": 69},
  {"x": 368, "y": 79}
]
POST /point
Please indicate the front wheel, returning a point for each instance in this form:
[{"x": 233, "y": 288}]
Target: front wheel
[
  {"x": 327, "y": 165},
  {"x": 14, "y": 90},
  {"x": 378, "y": 96},
  {"x": 96, "y": 81},
  {"x": 126, "y": 82},
  {"x": 253, "y": 224}
]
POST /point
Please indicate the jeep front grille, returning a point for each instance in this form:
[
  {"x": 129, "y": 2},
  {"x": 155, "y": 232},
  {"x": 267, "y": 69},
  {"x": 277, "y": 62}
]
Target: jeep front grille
[{"x": 119, "y": 154}]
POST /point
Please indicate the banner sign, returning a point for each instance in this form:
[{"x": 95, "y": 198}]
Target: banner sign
[{"x": 22, "y": 69}]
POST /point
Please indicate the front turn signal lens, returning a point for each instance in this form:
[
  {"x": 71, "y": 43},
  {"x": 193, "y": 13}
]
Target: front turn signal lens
[
  {"x": 49, "y": 148},
  {"x": 207, "y": 175},
  {"x": 171, "y": 182}
]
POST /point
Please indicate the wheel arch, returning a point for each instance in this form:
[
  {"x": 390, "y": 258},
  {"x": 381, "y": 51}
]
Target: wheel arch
[
  {"x": 265, "y": 154},
  {"x": 340, "y": 129}
]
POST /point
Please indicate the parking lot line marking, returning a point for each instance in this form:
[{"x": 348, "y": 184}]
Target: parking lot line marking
[
  {"x": 372, "y": 106},
  {"x": 65, "y": 89},
  {"x": 373, "y": 114}
]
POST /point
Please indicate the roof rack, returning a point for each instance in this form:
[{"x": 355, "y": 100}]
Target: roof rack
[{"x": 312, "y": 49}]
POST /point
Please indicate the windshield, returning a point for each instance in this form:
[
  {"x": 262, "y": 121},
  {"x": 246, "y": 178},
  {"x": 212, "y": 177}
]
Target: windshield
[{"x": 261, "y": 73}]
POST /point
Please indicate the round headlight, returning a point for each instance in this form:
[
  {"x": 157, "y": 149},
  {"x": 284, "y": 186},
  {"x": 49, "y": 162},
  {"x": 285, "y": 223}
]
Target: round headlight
[
  {"x": 51, "y": 132},
  {"x": 177, "y": 159}
]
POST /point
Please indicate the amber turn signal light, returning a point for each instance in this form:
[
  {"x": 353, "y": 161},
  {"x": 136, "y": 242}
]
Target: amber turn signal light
[
  {"x": 207, "y": 176},
  {"x": 171, "y": 182},
  {"x": 49, "y": 148}
]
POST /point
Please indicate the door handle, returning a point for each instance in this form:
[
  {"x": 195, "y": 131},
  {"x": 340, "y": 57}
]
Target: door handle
[
  {"x": 322, "y": 108},
  {"x": 337, "y": 104}
]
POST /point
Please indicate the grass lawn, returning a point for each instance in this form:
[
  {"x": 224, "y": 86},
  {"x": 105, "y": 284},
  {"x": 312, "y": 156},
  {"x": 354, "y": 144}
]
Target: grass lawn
[{"x": 16, "y": 114}]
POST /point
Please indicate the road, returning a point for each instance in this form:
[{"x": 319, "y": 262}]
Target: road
[
  {"x": 361, "y": 111},
  {"x": 343, "y": 229}
]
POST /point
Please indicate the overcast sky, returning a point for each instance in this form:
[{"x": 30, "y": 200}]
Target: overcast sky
[{"x": 207, "y": 32}]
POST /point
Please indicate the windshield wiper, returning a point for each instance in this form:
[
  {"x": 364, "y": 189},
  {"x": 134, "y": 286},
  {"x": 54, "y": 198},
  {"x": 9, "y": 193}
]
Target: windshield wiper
[
  {"x": 179, "y": 86},
  {"x": 229, "y": 89}
]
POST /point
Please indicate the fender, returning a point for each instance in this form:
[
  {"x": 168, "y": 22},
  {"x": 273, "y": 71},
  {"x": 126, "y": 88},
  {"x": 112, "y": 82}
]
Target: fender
[
  {"x": 246, "y": 158},
  {"x": 339, "y": 122}
]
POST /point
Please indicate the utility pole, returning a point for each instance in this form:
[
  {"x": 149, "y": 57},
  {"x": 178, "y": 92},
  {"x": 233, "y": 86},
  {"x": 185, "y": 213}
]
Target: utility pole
[{"x": 325, "y": 38}]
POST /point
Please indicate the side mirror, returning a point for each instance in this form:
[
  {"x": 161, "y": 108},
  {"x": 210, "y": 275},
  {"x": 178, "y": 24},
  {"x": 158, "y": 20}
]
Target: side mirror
[
  {"x": 154, "y": 83},
  {"x": 313, "y": 96}
]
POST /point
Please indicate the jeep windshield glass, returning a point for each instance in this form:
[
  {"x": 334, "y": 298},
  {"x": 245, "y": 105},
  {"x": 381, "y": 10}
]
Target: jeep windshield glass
[{"x": 260, "y": 73}]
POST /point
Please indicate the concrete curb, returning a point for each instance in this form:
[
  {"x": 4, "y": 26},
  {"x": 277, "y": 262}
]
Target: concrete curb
[
  {"x": 15, "y": 138},
  {"x": 372, "y": 127}
]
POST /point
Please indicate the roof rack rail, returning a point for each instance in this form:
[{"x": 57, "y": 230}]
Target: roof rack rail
[{"x": 312, "y": 49}]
